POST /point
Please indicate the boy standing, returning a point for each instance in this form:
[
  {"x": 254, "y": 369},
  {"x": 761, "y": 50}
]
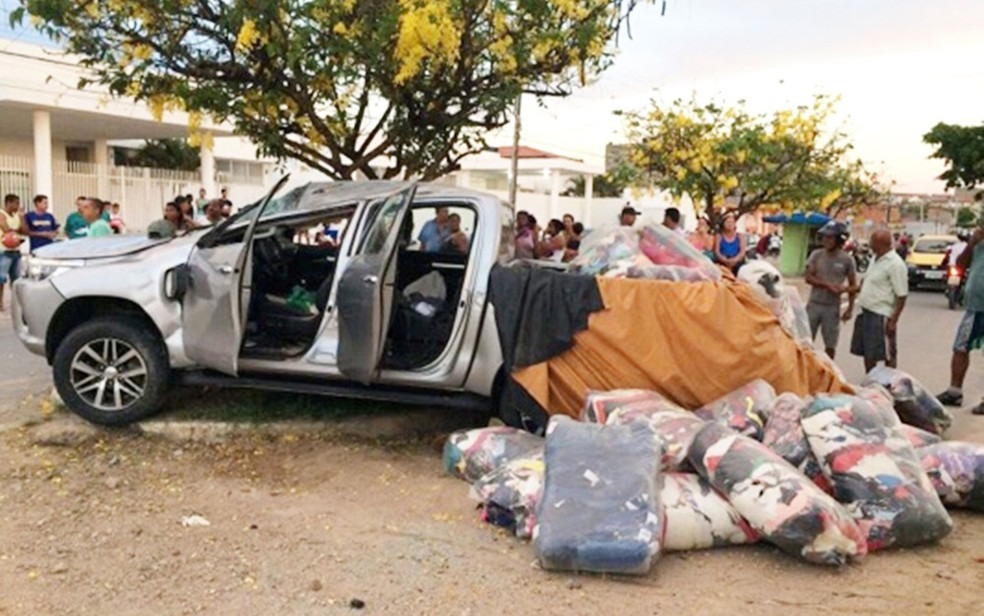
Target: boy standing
[{"x": 42, "y": 227}]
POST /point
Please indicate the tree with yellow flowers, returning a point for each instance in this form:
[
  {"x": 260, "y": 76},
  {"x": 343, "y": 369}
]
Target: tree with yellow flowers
[
  {"x": 729, "y": 160},
  {"x": 346, "y": 86}
]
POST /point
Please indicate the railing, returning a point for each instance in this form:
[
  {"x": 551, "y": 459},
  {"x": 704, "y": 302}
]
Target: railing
[
  {"x": 16, "y": 177},
  {"x": 140, "y": 191}
]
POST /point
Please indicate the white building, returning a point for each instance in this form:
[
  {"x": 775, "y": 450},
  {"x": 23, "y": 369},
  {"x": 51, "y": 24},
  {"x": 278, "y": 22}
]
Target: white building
[{"x": 57, "y": 140}]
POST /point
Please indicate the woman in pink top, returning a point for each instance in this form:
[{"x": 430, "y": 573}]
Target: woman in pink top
[
  {"x": 702, "y": 239},
  {"x": 525, "y": 236}
]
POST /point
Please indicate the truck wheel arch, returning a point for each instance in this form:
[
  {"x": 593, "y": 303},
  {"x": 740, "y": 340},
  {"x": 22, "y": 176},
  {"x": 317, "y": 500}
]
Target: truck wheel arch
[{"x": 78, "y": 310}]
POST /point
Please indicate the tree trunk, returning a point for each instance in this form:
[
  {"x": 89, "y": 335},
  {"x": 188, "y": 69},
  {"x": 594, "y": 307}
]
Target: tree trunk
[{"x": 712, "y": 216}]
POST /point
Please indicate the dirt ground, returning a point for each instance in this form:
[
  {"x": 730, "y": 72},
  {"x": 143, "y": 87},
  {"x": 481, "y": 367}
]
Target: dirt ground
[{"x": 316, "y": 524}]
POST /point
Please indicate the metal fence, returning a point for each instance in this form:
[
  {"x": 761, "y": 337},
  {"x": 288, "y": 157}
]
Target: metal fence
[
  {"x": 16, "y": 177},
  {"x": 141, "y": 191}
]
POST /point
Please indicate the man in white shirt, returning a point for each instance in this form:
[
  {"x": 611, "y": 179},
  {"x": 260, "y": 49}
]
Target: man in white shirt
[
  {"x": 671, "y": 220},
  {"x": 957, "y": 249},
  {"x": 882, "y": 298},
  {"x": 213, "y": 214}
]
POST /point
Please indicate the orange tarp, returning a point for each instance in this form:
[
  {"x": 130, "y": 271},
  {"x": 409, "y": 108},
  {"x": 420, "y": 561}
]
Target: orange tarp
[{"x": 692, "y": 342}]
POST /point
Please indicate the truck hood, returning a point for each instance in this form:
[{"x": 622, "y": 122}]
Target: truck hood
[{"x": 97, "y": 247}]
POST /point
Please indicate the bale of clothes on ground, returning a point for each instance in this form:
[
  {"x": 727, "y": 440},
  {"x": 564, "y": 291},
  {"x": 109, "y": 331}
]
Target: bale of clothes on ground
[
  {"x": 826, "y": 478},
  {"x": 685, "y": 443}
]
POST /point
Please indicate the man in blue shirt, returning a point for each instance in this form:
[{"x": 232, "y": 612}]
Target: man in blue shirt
[
  {"x": 42, "y": 227},
  {"x": 435, "y": 232},
  {"x": 970, "y": 332}
]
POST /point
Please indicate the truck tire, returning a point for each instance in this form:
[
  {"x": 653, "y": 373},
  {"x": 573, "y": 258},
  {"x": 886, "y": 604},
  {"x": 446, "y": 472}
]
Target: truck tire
[
  {"x": 112, "y": 371},
  {"x": 515, "y": 408}
]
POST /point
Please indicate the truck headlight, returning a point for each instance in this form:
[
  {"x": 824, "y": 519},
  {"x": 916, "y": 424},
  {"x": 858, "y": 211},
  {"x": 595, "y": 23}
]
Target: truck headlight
[{"x": 39, "y": 269}]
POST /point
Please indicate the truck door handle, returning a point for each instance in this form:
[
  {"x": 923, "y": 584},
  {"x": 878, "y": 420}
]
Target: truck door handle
[
  {"x": 370, "y": 279},
  {"x": 226, "y": 269}
]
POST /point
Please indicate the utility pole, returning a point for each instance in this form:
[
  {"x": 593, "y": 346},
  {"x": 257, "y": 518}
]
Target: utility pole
[{"x": 514, "y": 166}]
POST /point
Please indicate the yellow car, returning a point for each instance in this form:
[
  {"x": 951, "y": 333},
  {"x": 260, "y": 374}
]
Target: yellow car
[{"x": 927, "y": 260}]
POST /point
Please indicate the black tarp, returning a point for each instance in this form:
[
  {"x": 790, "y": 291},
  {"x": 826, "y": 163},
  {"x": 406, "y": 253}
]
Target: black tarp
[
  {"x": 537, "y": 314},
  {"x": 538, "y": 311}
]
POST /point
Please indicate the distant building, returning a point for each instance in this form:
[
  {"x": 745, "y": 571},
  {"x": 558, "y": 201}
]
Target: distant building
[
  {"x": 914, "y": 213},
  {"x": 58, "y": 140}
]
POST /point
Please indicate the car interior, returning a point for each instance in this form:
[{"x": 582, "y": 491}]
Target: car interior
[
  {"x": 293, "y": 270},
  {"x": 294, "y": 265},
  {"x": 428, "y": 291}
]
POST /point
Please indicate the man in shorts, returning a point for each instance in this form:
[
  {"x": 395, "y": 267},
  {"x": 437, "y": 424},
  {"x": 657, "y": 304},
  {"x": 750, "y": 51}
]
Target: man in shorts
[
  {"x": 882, "y": 299},
  {"x": 970, "y": 332},
  {"x": 830, "y": 273}
]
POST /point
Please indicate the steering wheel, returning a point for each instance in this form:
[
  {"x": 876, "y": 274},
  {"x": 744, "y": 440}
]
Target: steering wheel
[{"x": 275, "y": 263}]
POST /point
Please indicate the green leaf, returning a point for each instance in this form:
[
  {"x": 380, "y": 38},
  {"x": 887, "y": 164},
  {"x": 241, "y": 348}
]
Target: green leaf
[{"x": 17, "y": 17}]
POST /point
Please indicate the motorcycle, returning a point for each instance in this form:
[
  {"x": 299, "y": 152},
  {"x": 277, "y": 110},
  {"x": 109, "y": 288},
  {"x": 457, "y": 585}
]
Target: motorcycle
[
  {"x": 862, "y": 256},
  {"x": 955, "y": 286}
]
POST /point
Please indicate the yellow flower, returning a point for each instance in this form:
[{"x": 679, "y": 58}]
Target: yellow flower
[
  {"x": 248, "y": 36},
  {"x": 830, "y": 198},
  {"x": 428, "y": 32},
  {"x": 142, "y": 52}
]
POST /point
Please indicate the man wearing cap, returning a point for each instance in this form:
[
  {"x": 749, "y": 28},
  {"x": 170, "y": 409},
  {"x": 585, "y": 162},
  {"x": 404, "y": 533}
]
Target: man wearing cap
[
  {"x": 830, "y": 274},
  {"x": 628, "y": 216}
]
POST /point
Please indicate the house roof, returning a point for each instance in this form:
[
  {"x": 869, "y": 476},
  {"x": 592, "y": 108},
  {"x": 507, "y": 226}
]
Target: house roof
[{"x": 528, "y": 152}]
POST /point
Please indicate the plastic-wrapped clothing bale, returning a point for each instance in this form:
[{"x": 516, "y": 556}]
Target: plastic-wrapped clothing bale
[
  {"x": 622, "y": 267},
  {"x": 470, "y": 454},
  {"x": 784, "y": 435},
  {"x": 777, "y": 500},
  {"x": 914, "y": 405},
  {"x": 673, "y": 428},
  {"x": 599, "y": 405},
  {"x": 671, "y": 273},
  {"x": 874, "y": 472},
  {"x": 600, "y": 509},
  {"x": 602, "y": 249},
  {"x": 794, "y": 318},
  {"x": 769, "y": 287},
  {"x": 918, "y": 438},
  {"x": 696, "y": 517},
  {"x": 668, "y": 248},
  {"x": 882, "y": 401},
  {"x": 957, "y": 472},
  {"x": 743, "y": 410},
  {"x": 509, "y": 494}
]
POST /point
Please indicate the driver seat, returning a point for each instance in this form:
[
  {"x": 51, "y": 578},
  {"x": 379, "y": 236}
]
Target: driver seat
[{"x": 278, "y": 317}]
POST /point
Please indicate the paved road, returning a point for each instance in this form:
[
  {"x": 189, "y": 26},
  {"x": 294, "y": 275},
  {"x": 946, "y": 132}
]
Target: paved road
[
  {"x": 21, "y": 373},
  {"x": 926, "y": 333}
]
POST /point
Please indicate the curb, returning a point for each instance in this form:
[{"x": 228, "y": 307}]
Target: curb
[
  {"x": 396, "y": 426},
  {"x": 67, "y": 430}
]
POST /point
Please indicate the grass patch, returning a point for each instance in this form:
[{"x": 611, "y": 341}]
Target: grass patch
[{"x": 250, "y": 406}]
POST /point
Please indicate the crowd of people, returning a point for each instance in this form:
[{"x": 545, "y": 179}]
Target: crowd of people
[
  {"x": 184, "y": 213},
  {"x": 560, "y": 240},
  {"x": 39, "y": 227},
  {"x": 93, "y": 217}
]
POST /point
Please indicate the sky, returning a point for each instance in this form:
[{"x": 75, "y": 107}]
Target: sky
[{"x": 899, "y": 66}]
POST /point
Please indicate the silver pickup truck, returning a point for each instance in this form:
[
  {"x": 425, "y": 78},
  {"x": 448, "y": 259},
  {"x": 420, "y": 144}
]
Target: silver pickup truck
[{"x": 366, "y": 312}]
